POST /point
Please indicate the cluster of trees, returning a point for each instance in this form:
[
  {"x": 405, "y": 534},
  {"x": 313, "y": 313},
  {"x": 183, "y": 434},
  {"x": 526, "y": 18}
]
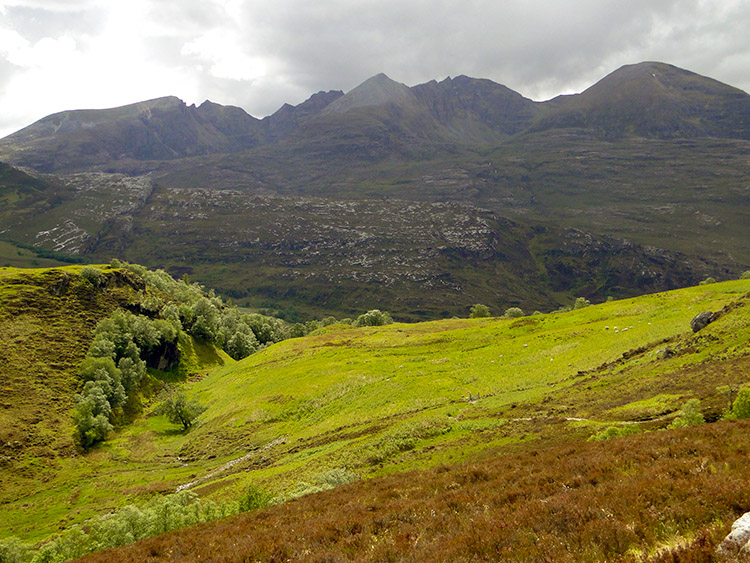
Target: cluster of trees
[
  {"x": 204, "y": 315},
  {"x": 114, "y": 369}
]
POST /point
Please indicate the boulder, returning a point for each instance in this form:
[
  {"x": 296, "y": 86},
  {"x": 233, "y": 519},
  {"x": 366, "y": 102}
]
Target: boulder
[
  {"x": 738, "y": 540},
  {"x": 702, "y": 320}
]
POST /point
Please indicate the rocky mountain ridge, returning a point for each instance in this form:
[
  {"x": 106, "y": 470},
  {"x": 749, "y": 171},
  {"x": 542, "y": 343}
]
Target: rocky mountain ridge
[{"x": 652, "y": 100}]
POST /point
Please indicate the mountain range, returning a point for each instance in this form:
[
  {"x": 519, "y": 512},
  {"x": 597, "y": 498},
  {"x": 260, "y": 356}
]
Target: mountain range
[{"x": 423, "y": 200}]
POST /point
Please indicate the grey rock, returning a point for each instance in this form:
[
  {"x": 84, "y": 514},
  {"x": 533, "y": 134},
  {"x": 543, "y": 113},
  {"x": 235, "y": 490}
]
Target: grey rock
[
  {"x": 738, "y": 540},
  {"x": 702, "y": 320}
]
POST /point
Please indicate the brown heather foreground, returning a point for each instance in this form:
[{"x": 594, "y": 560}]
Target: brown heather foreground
[{"x": 659, "y": 496}]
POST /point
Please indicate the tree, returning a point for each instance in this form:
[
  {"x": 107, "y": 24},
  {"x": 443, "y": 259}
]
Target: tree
[
  {"x": 104, "y": 374},
  {"x": 745, "y": 275},
  {"x": 375, "y": 317},
  {"x": 514, "y": 312},
  {"x": 581, "y": 302},
  {"x": 241, "y": 344},
  {"x": 178, "y": 409},
  {"x": 207, "y": 322},
  {"x": 479, "y": 311},
  {"x": 91, "y": 275}
]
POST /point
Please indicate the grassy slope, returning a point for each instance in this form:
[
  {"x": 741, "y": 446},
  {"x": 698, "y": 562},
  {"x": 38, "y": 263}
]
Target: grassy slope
[{"x": 382, "y": 400}]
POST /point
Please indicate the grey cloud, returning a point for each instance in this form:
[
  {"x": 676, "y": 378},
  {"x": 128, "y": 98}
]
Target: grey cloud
[
  {"x": 538, "y": 47},
  {"x": 35, "y": 23}
]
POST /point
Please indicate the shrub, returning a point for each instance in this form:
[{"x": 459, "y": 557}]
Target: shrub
[
  {"x": 335, "y": 478},
  {"x": 127, "y": 525},
  {"x": 479, "y": 311},
  {"x": 324, "y": 481},
  {"x": 707, "y": 281},
  {"x": 581, "y": 302},
  {"x": 91, "y": 275},
  {"x": 745, "y": 275},
  {"x": 513, "y": 312},
  {"x": 12, "y": 551},
  {"x": 690, "y": 415},
  {"x": 615, "y": 432},
  {"x": 741, "y": 405},
  {"x": 254, "y": 498}
]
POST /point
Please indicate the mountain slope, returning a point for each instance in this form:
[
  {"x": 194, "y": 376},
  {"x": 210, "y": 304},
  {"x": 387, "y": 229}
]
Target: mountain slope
[
  {"x": 321, "y": 256},
  {"x": 477, "y": 110}
]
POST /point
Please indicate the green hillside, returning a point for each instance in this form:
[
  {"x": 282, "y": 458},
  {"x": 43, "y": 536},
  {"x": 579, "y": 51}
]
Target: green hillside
[
  {"x": 373, "y": 401},
  {"x": 47, "y": 318}
]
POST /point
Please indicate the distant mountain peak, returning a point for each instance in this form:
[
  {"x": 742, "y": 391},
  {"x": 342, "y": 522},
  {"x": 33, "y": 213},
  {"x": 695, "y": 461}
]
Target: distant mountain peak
[{"x": 376, "y": 91}]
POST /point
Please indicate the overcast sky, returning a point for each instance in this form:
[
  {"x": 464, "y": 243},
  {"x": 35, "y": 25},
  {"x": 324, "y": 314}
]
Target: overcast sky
[{"x": 73, "y": 54}]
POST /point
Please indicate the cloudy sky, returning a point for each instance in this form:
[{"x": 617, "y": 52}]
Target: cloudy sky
[{"x": 72, "y": 54}]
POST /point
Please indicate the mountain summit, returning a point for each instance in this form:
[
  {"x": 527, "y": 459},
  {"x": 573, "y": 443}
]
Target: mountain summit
[
  {"x": 653, "y": 99},
  {"x": 376, "y": 91}
]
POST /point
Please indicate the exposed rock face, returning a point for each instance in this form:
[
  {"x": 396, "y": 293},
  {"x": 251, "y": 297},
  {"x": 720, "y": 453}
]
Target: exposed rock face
[
  {"x": 59, "y": 287},
  {"x": 738, "y": 540},
  {"x": 163, "y": 357},
  {"x": 702, "y": 320}
]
